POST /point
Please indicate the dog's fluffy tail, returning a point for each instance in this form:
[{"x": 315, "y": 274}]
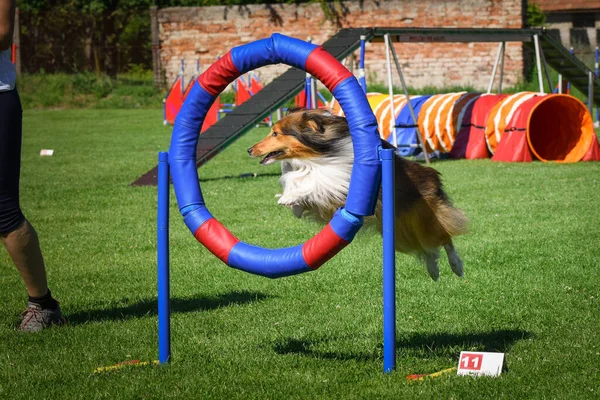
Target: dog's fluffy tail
[{"x": 452, "y": 219}]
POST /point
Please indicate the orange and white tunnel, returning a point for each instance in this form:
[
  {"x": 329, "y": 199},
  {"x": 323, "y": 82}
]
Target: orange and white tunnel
[
  {"x": 549, "y": 127},
  {"x": 517, "y": 127}
]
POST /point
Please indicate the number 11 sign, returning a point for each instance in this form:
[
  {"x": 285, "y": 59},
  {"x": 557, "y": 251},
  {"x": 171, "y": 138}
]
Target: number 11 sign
[{"x": 480, "y": 363}]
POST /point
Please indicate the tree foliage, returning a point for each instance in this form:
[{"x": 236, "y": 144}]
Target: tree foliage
[
  {"x": 105, "y": 36},
  {"x": 535, "y": 16},
  {"x": 100, "y": 35}
]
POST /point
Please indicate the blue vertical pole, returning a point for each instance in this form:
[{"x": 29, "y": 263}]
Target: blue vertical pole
[
  {"x": 361, "y": 64},
  {"x": 164, "y": 312},
  {"x": 389, "y": 261},
  {"x": 307, "y": 91}
]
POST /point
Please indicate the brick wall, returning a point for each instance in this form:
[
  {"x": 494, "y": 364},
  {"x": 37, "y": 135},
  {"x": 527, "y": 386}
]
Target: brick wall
[{"x": 205, "y": 33}]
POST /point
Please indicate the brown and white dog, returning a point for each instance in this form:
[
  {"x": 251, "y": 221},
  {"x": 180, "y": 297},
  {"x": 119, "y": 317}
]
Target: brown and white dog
[{"x": 315, "y": 150}]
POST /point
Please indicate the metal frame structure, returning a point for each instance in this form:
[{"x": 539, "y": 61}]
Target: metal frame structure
[{"x": 560, "y": 58}]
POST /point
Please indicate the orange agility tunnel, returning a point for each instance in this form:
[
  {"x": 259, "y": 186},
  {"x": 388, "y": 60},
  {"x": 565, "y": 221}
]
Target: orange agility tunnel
[
  {"x": 470, "y": 141},
  {"x": 517, "y": 128},
  {"x": 551, "y": 127},
  {"x": 383, "y": 114},
  {"x": 380, "y": 104},
  {"x": 441, "y": 119},
  {"x": 374, "y": 98}
]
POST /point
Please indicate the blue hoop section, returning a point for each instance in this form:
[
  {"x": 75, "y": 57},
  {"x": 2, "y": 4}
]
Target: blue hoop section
[{"x": 366, "y": 172}]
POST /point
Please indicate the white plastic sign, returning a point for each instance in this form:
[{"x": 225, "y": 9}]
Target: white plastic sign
[
  {"x": 46, "y": 152},
  {"x": 480, "y": 363}
]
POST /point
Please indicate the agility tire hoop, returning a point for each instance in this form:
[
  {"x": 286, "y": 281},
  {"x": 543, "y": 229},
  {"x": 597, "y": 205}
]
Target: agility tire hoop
[{"x": 366, "y": 171}]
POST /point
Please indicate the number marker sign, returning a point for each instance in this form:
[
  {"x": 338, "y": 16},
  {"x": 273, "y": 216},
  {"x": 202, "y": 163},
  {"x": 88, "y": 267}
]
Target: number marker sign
[{"x": 480, "y": 363}]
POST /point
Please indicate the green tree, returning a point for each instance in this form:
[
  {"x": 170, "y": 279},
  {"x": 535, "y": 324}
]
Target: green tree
[
  {"x": 110, "y": 20},
  {"x": 99, "y": 24},
  {"x": 535, "y": 16}
]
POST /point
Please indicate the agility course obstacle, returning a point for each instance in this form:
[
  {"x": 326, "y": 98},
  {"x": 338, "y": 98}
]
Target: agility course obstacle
[
  {"x": 272, "y": 97},
  {"x": 244, "y": 89},
  {"x": 516, "y": 128},
  {"x": 369, "y": 161},
  {"x": 174, "y": 98},
  {"x": 346, "y": 41}
]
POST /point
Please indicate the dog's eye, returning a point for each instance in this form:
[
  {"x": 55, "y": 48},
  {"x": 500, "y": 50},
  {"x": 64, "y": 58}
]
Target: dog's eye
[{"x": 274, "y": 134}]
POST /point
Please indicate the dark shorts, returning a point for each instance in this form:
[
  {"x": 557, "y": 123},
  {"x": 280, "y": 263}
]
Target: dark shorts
[{"x": 11, "y": 116}]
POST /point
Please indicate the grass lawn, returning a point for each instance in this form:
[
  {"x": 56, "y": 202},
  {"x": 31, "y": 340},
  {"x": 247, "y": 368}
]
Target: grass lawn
[{"x": 531, "y": 289}]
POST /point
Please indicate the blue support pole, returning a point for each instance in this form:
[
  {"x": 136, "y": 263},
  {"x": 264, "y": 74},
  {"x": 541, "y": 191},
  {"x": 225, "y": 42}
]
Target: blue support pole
[
  {"x": 389, "y": 261},
  {"x": 164, "y": 312},
  {"x": 307, "y": 91}
]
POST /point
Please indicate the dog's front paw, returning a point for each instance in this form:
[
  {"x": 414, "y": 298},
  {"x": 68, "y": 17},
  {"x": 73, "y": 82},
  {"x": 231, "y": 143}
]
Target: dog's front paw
[
  {"x": 298, "y": 210},
  {"x": 286, "y": 200}
]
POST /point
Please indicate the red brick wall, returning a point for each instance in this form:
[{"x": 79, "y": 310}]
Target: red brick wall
[
  {"x": 207, "y": 32},
  {"x": 567, "y": 5}
]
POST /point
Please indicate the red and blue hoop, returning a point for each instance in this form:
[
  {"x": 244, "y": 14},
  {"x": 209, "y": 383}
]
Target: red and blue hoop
[
  {"x": 371, "y": 165},
  {"x": 366, "y": 172}
]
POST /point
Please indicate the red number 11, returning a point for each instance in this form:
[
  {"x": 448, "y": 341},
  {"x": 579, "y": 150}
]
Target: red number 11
[{"x": 472, "y": 362}]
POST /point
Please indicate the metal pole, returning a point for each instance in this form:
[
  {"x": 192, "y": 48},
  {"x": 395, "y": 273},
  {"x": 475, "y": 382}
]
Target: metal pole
[
  {"x": 591, "y": 91},
  {"x": 501, "y": 68},
  {"x": 388, "y": 65},
  {"x": 538, "y": 62},
  {"x": 545, "y": 66},
  {"x": 409, "y": 104},
  {"x": 307, "y": 92},
  {"x": 491, "y": 84},
  {"x": 572, "y": 51},
  {"x": 182, "y": 76},
  {"x": 164, "y": 312},
  {"x": 560, "y": 83},
  {"x": 361, "y": 64},
  {"x": 389, "y": 261},
  {"x": 313, "y": 93},
  {"x": 597, "y": 74}
]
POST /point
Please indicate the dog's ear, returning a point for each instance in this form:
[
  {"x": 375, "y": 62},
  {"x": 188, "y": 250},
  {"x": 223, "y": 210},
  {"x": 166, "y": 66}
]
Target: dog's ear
[
  {"x": 295, "y": 109},
  {"x": 315, "y": 121},
  {"x": 315, "y": 125}
]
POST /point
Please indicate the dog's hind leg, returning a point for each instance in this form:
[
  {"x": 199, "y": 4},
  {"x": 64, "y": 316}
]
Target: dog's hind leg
[
  {"x": 455, "y": 262},
  {"x": 431, "y": 261}
]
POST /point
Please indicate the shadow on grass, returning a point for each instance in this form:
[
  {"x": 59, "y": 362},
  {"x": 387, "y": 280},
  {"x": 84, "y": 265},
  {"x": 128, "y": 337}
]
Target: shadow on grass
[
  {"x": 442, "y": 345},
  {"x": 149, "y": 307},
  {"x": 249, "y": 175}
]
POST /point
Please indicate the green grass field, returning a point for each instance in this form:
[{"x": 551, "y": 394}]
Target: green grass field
[{"x": 531, "y": 288}]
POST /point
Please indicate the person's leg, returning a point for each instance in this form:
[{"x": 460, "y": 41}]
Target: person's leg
[
  {"x": 24, "y": 248},
  {"x": 16, "y": 233}
]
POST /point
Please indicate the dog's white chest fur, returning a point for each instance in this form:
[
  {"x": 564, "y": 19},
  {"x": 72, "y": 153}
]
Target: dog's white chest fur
[{"x": 319, "y": 185}]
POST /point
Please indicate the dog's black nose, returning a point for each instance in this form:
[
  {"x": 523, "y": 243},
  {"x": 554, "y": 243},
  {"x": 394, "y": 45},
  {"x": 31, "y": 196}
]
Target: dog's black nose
[{"x": 250, "y": 151}]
